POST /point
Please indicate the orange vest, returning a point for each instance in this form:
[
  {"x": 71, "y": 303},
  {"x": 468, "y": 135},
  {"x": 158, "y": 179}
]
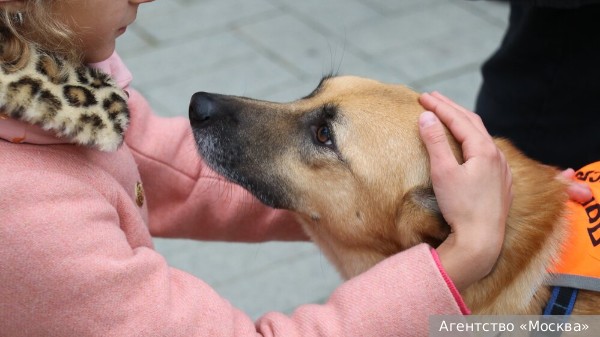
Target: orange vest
[{"x": 579, "y": 263}]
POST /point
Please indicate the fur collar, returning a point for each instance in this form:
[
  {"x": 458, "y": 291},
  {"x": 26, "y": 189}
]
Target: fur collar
[{"x": 79, "y": 103}]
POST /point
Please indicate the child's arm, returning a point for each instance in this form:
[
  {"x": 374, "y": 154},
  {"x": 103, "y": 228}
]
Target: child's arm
[
  {"x": 69, "y": 269},
  {"x": 186, "y": 198}
]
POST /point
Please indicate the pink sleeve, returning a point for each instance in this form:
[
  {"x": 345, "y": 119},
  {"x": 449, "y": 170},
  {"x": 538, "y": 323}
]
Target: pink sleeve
[
  {"x": 394, "y": 298},
  {"x": 186, "y": 198},
  {"x": 461, "y": 304},
  {"x": 68, "y": 270}
]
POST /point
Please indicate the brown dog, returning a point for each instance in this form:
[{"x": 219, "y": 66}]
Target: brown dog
[{"x": 349, "y": 161}]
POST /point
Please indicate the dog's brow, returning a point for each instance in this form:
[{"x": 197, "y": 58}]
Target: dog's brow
[
  {"x": 330, "y": 111},
  {"x": 322, "y": 113}
]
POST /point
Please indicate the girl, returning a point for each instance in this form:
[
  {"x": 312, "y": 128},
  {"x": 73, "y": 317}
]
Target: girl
[{"x": 90, "y": 174}]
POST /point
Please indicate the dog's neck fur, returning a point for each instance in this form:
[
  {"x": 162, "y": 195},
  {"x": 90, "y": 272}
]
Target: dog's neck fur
[
  {"x": 533, "y": 237},
  {"x": 534, "y": 233}
]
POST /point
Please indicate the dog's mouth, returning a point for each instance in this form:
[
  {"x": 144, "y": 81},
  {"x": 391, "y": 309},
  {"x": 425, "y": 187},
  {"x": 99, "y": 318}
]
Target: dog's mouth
[{"x": 225, "y": 148}]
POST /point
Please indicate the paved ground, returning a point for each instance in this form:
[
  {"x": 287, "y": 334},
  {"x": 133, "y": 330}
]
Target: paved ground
[{"x": 278, "y": 50}]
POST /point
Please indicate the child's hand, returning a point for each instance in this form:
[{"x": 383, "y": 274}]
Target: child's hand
[
  {"x": 474, "y": 196},
  {"x": 578, "y": 191}
]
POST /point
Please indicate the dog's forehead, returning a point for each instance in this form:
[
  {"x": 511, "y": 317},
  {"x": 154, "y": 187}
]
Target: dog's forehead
[
  {"x": 361, "y": 84},
  {"x": 354, "y": 89},
  {"x": 358, "y": 94}
]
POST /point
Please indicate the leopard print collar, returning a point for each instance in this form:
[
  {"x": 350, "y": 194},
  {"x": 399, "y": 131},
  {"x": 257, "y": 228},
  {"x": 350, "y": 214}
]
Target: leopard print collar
[{"x": 79, "y": 103}]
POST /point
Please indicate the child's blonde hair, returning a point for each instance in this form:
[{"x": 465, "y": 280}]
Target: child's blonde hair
[{"x": 34, "y": 27}]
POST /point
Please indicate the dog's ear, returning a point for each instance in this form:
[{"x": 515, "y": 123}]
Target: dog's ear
[{"x": 418, "y": 219}]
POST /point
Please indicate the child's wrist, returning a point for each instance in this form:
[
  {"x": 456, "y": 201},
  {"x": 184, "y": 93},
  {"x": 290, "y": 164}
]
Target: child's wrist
[{"x": 466, "y": 262}]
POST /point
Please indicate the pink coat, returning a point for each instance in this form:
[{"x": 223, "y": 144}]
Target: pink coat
[{"x": 77, "y": 256}]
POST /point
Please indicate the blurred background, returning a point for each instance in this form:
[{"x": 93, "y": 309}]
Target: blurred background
[{"x": 279, "y": 50}]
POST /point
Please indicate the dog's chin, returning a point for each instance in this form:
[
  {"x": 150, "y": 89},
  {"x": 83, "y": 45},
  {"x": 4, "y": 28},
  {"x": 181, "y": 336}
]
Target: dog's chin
[
  {"x": 230, "y": 165},
  {"x": 272, "y": 197}
]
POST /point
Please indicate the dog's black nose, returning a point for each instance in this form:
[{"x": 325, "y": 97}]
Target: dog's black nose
[{"x": 204, "y": 109}]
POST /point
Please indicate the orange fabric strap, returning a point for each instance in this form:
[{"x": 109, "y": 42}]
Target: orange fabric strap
[{"x": 579, "y": 263}]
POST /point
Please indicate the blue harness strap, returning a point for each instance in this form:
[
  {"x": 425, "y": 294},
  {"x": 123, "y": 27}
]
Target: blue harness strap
[{"x": 561, "y": 302}]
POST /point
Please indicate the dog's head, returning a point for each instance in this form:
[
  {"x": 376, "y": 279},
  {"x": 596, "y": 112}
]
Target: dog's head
[{"x": 348, "y": 158}]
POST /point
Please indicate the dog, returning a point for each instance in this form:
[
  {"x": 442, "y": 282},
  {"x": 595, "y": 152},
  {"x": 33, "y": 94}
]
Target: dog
[{"x": 348, "y": 160}]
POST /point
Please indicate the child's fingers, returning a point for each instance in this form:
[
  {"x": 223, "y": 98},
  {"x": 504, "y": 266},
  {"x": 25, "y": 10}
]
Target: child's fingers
[
  {"x": 475, "y": 119},
  {"x": 458, "y": 122},
  {"x": 577, "y": 191},
  {"x": 568, "y": 174},
  {"x": 445, "y": 99},
  {"x": 436, "y": 141}
]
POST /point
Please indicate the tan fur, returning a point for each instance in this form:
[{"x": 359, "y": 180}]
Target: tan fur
[{"x": 371, "y": 197}]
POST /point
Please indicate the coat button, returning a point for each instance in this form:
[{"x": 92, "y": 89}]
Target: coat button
[{"x": 139, "y": 194}]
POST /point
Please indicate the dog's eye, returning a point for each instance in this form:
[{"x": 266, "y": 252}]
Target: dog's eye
[{"x": 323, "y": 135}]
